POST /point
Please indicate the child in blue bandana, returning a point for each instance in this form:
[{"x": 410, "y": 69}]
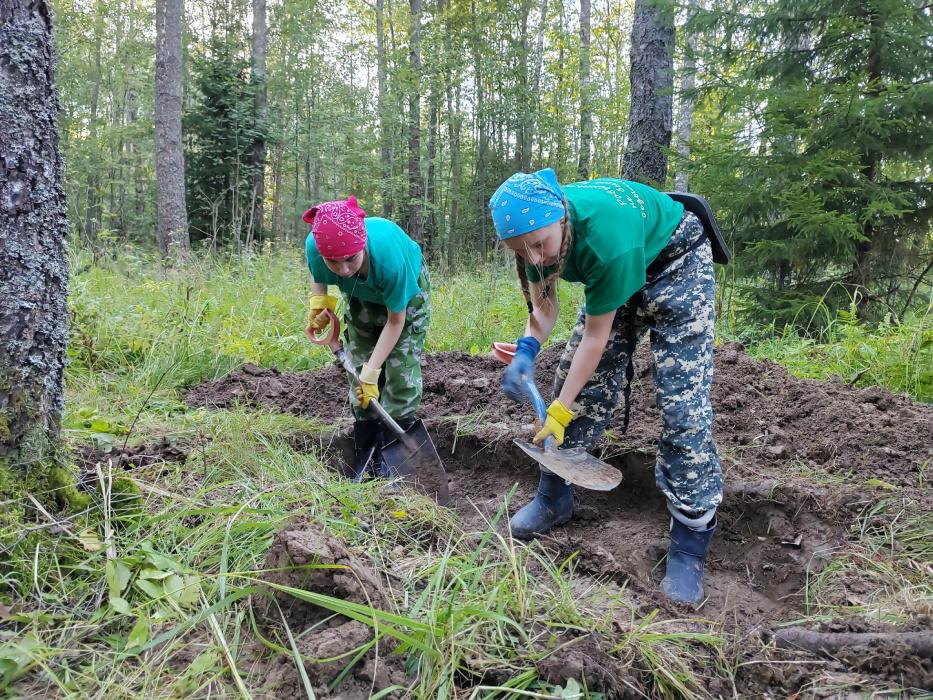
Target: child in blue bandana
[{"x": 645, "y": 264}]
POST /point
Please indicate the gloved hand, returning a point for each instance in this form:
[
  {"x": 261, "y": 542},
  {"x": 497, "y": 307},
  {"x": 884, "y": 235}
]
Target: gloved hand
[
  {"x": 521, "y": 366},
  {"x": 558, "y": 418},
  {"x": 369, "y": 386},
  {"x": 318, "y": 303}
]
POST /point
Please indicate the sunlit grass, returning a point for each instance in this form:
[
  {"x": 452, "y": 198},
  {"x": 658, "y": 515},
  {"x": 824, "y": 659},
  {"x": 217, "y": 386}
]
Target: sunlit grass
[{"x": 161, "y": 607}]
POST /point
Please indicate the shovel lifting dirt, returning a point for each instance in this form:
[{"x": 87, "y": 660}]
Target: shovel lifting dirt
[
  {"x": 412, "y": 456},
  {"x": 575, "y": 465}
]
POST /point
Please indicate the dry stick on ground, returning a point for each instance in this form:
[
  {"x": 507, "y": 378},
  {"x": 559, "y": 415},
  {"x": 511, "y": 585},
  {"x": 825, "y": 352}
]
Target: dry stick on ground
[{"x": 828, "y": 643}]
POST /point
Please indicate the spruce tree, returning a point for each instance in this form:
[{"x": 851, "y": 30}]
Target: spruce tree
[{"x": 819, "y": 155}]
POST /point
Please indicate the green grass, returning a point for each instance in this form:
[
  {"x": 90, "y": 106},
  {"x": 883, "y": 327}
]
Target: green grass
[
  {"x": 160, "y": 607},
  {"x": 138, "y": 328},
  {"x": 884, "y": 571},
  {"x": 896, "y": 356},
  {"x": 147, "y": 594}
]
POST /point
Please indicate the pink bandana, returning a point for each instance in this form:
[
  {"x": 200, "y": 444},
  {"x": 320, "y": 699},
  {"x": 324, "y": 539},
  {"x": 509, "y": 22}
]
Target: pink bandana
[{"x": 337, "y": 227}]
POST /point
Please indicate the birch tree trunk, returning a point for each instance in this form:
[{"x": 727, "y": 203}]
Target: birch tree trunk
[
  {"x": 384, "y": 133},
  {"x": 259, "y": 147},
  {"x": 685, "y": 111},
  {"x": 415, "y": 190},
  {"x": 586, "y": 111}
]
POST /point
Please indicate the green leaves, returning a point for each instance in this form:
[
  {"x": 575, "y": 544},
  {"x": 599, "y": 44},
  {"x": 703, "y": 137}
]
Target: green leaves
[
  {"x": 16, "y": 657},
  {"x": 146, "y": 578}
]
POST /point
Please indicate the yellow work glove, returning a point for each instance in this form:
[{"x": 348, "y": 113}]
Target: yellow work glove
[
  {"x": 369, "y": 386},
  {"x": 558, "y": 418},
  {"x": 316, "y": 304}
]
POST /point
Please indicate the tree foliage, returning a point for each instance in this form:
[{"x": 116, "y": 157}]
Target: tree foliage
[
  {"x": 822, "y": 159},
  {"x": 221, "y": 130},
  {"x": 811, "y": 132}
]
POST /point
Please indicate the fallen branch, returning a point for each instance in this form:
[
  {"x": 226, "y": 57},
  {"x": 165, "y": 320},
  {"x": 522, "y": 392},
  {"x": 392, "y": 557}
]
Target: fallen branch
[{"x": 829, "y": 643}]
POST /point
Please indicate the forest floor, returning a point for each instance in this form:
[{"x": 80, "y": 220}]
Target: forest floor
[
  {"x": 223, "y": 554},
  {"x": 826, "y": 500}
]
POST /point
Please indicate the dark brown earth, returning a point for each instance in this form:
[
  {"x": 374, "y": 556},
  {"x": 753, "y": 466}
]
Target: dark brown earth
[
  {"x": 305, "y": 557},
  {"x": 765, "y": 419},
  {"x": 131, "y": 456},
  {"x": 801, "y": 459}
]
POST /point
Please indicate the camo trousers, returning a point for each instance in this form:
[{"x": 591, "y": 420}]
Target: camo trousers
[
  {"x": 676, "y": 305},
  {"x": 400, "y": 384}
]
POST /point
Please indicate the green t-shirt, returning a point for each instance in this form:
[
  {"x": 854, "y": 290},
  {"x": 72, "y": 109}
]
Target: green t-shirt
[
  {"x": 394, "y": 266},
  {"x": 619, "y": 228}
]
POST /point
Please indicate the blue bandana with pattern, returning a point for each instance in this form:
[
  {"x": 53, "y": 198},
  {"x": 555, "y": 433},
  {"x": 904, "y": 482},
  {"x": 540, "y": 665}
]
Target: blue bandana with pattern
[{"x": 525, "y": 202}]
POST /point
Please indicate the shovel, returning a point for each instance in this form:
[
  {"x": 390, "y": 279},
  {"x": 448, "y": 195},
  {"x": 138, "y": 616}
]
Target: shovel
[
  {"x": 412, "y": 456},
  {"x": 574, "y": 464}
]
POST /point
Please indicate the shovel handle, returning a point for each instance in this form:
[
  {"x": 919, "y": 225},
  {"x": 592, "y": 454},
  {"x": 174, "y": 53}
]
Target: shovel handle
[
  {"x": 331, "y": 331},
  {"x": 344, "y": 358},
  {"x": 540, "y": 408}
]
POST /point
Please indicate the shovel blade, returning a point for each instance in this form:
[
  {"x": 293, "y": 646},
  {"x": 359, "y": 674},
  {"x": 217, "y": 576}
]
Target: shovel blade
[
  {"x": 575, "y": 465},
  {"x": 420, "y": 468}
]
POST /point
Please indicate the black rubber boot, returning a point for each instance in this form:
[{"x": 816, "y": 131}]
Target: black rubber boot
[
  {"x": 552, "y": 506},
  {"x": 367, "y": 448},
  {"x": 685, "y": 561}
]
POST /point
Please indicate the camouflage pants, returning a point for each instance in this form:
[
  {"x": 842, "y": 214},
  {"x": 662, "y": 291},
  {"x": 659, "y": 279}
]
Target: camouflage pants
[
  {"x": 400, "y": 384},
  {"x": 676, "y": 305}
]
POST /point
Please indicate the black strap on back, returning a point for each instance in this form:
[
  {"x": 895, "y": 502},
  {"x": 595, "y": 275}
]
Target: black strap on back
[{"x": 698, "y": 206}]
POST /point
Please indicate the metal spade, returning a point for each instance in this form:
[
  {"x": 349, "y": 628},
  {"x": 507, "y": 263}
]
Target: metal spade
[
  {"x": 574, "y": 465},
  {"x": 412, "y": 456}
]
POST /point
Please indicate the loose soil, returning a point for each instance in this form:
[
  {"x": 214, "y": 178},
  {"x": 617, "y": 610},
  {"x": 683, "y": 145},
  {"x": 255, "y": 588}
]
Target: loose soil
[{"x": 801, "y": 459}]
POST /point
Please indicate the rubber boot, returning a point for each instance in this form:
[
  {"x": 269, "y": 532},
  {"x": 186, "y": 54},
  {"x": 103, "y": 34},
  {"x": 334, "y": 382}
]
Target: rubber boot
[
  {"x": 552, "y": 506},
  {"x": 367, "y": 448},
  {"x": 685, "y": 561}
]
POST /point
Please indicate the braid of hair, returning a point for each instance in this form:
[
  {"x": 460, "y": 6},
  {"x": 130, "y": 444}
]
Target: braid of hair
[
  {"x": 523, "y": 281},
  {"x": 566, "y": 232},
  {"x": 566, "y": 238}
]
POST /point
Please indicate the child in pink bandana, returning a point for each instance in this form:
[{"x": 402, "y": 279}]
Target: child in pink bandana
[{"x": 385, "y": 287}]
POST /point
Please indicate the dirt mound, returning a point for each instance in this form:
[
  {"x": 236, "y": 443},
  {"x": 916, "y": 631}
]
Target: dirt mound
[
  {"x": 801, "y": 458},
  {"x": 766, "y": 421},
  {"x": 586, "y": 659},
  {"x": 132, "y": 456},
  {"x": 303, "y": 556}
]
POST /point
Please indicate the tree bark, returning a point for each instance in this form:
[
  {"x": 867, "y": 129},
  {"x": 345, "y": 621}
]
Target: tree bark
[
  {"x": 415, "y": 220},
  {"x": 139, "y": 199},
  {"x": 536, "y": 106},
  {"x": 382, "y": 106},
  {"x": 482, "y": 137},
  {"x": 33, "y": 260},
  {"x": 259, "y": 147},
  {"x": 560, "y": 147},
  {"x": 685, "y": 112},
  {"x": 454, "y": 121},
  {"x": 831, "y": 643},
  {"x": 526, "y": 98},
  {"x": 172, "y": 214},
  {"x": 862, "y": 274},
  {"x": 92, "y": 210},
  {"x": 651, "y": 113},
  {"x": 586, "y": 112},
  {"x": 431, "y": 220}
]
